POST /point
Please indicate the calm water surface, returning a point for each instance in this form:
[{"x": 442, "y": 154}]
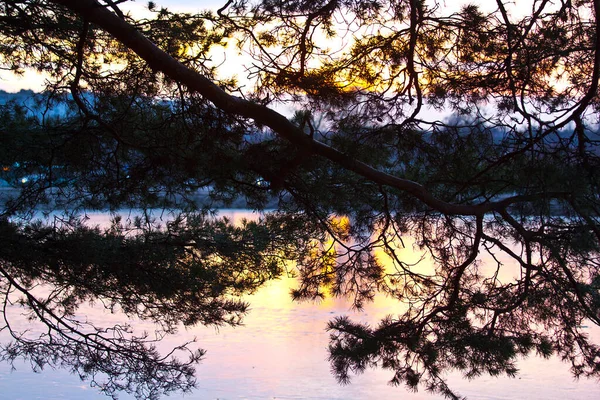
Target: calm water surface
[{"x": 281, "y": 353}]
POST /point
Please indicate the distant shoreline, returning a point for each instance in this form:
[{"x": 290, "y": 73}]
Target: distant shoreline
[{"x": 200, "y": 197}]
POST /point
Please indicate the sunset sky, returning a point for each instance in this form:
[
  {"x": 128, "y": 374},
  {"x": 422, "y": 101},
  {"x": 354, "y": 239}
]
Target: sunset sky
[{"x": 35, "y": 81}]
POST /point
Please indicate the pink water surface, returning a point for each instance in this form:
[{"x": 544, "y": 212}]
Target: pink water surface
[{"x": 281, "y": 353}]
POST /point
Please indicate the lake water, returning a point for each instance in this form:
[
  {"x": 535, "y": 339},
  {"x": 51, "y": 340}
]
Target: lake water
[{"x": 281, "y": 353}]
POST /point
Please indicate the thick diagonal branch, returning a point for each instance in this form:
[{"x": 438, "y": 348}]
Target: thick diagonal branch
[{"x": 161, "y": 61}]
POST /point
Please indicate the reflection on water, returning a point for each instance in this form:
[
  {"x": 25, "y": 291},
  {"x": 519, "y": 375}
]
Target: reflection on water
[{"x": 281, "y": 353}]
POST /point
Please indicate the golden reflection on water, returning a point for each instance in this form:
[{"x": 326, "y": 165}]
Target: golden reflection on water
[
  {"x": 284, "y": 351},
  {"x": 281, "y": 352},
  {"x": 279, "y": 291}
]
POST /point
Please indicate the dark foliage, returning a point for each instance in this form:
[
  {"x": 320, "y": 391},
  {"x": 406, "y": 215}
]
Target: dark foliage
[{"x": 464, "y": 134}]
